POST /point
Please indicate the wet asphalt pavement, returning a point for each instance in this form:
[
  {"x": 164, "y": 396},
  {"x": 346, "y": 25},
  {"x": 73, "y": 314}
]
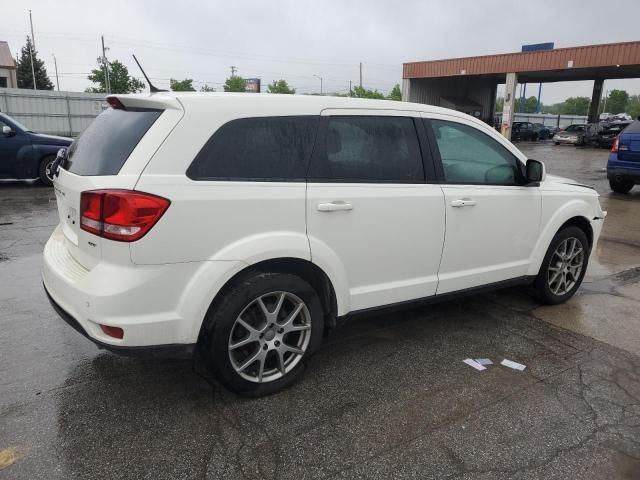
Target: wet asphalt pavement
[{"x": 387, "y": 396}]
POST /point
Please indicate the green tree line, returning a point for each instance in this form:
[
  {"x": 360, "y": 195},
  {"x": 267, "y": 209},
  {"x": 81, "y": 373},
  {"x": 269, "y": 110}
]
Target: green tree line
[{"x": 617, "y": 101}]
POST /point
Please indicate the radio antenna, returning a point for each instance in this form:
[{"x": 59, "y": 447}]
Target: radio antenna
[{"x": 152, "y": 88}]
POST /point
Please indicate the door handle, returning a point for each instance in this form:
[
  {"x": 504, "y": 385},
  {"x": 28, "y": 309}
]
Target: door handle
[
  {"x": 335, "y": 206},
  {"x": 463, "y": 202}
]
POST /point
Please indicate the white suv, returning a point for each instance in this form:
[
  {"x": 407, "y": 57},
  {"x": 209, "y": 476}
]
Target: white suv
[{"x": 242, "y": 226}]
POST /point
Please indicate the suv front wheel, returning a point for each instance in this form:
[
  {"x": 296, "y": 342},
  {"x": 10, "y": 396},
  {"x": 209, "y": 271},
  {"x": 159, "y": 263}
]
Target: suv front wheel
[
  {"x": 563, "y": 267},
  {"x": 261, "y": 332}
]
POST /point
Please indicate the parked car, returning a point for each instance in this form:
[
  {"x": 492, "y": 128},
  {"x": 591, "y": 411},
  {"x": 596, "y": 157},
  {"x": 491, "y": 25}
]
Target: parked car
[
  {"x": 573, "y": 134},
  {"x": 25, "y": 154},
  {"x": 542, "y": 130},
  {"x": 623, "y": 167},
  {"x": 524, "y": 131},
  {"x": 608, "y": 133},
  {"x": 244, "y": 226}
]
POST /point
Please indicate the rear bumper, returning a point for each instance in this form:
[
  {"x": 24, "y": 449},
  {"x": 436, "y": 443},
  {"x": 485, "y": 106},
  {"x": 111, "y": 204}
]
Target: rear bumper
[
  {"x": 164, "y": 351},
  {"x": 159, "y": 307},
  {"x": 623, "y": 169}
]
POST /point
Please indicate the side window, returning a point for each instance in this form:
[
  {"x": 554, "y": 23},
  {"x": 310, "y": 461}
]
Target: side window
[
  {"x": 369, "y": 149},
  {"x": 473, "y": 157},
  {"x": 260, "y": 149}
]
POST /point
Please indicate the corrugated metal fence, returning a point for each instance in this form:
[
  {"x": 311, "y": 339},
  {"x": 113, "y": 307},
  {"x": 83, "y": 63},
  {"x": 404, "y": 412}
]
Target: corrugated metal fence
[{"x": 55, "y": 113}]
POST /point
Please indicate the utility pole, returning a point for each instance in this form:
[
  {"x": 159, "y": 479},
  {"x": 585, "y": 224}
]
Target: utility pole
[
  {"x": 360, "y": 74},
  {"x": 32, "y": 47},
  {"x": 234, "y": 69},
  {"x": 33, "y": 70},
  {"x": 55, "y": 64},
  {"x": 33, "y": 39},
  {"x": 105, "y": 64}
]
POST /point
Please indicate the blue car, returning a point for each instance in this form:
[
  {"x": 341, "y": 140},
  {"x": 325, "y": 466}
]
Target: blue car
[
  {"x": 623, "y": 168},
  {"x": 25, "y": 154}
]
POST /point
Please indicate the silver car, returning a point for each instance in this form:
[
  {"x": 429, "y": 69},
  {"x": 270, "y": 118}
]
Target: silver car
[{"x": 573, "y": 134}]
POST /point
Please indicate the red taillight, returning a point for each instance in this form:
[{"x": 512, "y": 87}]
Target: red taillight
[
  {"x": 115, "y": 332},
  {"x": 115, "y": 103},
  {"x": 614, "y": 147},
  {"x": 122, "y": 215}
]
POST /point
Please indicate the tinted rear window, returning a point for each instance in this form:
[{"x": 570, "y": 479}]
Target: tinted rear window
[
  {"x": 259, "y": 149},
  {"x": 106, "y": 144}
]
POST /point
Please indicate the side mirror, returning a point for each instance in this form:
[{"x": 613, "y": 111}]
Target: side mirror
[
  {"x": 7, "y": 131},
  {"x": 536, "y": 172}
]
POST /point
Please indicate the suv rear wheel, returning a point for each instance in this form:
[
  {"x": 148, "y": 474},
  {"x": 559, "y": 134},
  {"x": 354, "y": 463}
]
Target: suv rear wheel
[
  {"x": 621, "y": 185},
  {"x": 261, "y": 333},
  {"x": 563, "y": 267}
]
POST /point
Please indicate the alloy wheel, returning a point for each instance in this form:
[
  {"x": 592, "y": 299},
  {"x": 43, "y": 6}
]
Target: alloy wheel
[
  {"x": 565, "y": 266},
  {"x": 269, "y": 337}
]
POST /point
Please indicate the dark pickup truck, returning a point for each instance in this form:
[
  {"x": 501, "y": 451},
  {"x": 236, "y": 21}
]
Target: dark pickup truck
[{"x": 25, "y": 154}]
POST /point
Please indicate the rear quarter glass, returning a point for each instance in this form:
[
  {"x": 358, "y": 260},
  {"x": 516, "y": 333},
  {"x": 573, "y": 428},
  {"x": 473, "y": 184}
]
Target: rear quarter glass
[{"x": 103, "y": 148}]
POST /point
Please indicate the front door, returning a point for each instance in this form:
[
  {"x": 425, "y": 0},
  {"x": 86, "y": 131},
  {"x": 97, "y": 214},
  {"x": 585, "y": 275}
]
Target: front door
[
  {"x": 372, "y": 220},
  {"x": 10, "y": 145},
  {"x": 492, "y": 219}
]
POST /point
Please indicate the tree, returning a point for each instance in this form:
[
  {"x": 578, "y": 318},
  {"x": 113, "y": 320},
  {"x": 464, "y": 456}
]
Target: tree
[
  {"x": 24, "y": 73},
  {"x": 361, "y": 92},
  {"x": 530, "y": 105},
  {"x": 633, "y": 106},
  {"x": 207, "y": 88},
  {"x": 617, "y": 101},
  {"x": 235, "y": 84},
  {"x": 119, "y": 79},
  {"x": 280, "y": 86},
  {"x": 395, "y": 93},
  {"x": 185, "y": 85}
]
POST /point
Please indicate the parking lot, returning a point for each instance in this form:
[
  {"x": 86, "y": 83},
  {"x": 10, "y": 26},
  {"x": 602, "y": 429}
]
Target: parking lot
[{"x": 387, "y": 396}]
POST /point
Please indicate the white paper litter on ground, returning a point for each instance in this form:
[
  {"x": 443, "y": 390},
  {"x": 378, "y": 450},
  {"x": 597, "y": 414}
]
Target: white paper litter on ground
[
  {"x": 472, "y": 363},
  {"x": 514, "y": 365},
  {"x": 484, "y": 361}
]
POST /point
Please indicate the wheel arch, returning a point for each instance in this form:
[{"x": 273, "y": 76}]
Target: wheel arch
[
  {"x": 305, "y": 269},
  {"x": 573, "y": 214}
]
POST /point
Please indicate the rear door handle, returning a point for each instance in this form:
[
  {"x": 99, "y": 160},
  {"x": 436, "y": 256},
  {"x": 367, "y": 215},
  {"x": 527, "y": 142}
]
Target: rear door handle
[
  {"x": 463, "y": 202},
  {"x": 335, "y": 206}
]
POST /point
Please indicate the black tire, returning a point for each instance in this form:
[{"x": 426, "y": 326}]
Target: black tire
[
  {"x": 221, "y": 318},
  {"x": 42, "y": 170},
  {"x": 557, "y": 143},
  {"x": 621, "y": 186},
  {"x": 541, "y": 285},
  {"x": 534, "y": 137}
]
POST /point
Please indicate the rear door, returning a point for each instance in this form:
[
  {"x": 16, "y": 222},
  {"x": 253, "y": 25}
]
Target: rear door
[
  {"x": 109, "y": 154},
  {"x": 492, "y": 219},
  {"x": 371, "y": 216}
]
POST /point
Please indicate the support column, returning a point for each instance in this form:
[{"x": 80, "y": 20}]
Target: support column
[
  {"x": 509, "y": 104},
  {"x": 596, "y": 96},
  {"x": 406, "y": 89}
]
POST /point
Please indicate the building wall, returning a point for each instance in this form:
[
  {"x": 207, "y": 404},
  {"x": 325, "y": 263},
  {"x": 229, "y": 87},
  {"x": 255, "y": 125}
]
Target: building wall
[
  {"x": 430, "y": 91},
  {"x": 48, "y": 111},
  {"x": 10, "y": 75}
]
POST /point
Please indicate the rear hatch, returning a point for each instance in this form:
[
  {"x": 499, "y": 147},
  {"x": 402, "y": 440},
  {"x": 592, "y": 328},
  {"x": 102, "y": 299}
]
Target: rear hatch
[
  {"x": 110, "y": 154},
  {"x": 629, "y": 143}
]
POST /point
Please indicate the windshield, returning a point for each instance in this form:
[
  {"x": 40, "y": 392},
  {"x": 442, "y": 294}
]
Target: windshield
[
  {"x": 575, "y": 128},
  {"x": 15, "y": 122}
]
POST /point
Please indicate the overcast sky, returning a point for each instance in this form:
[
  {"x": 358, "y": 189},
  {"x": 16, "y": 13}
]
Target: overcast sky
[{"x": 296, "y": 40}]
